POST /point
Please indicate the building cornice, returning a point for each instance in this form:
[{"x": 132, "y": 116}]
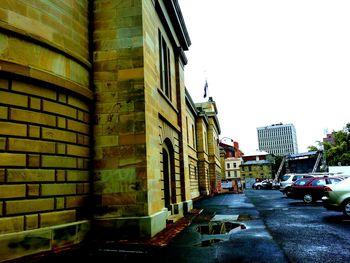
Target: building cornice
[{"x": 175, "y": 14}]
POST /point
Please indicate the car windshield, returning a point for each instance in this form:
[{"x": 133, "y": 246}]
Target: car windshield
[
  {"x": 296, "y": 177},
  {"x": 285, "y": 178},
  {"x": 301, "y": 182}
]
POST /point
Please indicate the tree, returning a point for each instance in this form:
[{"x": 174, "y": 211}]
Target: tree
[
  {"x": 338, "y": 153},
  {"x": 312, "y": 148}
]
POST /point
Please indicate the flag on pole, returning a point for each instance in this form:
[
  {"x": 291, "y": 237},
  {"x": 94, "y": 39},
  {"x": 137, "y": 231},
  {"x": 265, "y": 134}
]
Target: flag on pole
[{"x": 205, "y": 89}]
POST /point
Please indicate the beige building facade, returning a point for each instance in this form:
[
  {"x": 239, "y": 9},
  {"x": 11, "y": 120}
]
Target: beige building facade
[{"x": 96, "y": 126}]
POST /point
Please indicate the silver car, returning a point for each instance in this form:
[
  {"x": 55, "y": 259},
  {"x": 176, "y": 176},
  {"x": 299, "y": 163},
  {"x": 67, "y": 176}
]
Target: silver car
[{"x": 337, "y": 197}]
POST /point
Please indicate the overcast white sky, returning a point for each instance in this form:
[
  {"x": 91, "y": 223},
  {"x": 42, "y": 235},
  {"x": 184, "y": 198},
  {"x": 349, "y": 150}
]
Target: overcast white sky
[{"x": 271, "y": 61}]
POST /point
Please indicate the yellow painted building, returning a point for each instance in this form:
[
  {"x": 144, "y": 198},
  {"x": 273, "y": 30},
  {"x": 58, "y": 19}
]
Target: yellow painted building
[{"x": 96, "y": 127}]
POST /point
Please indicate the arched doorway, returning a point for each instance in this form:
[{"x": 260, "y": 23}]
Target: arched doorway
[{"x": 169, "y": 186}]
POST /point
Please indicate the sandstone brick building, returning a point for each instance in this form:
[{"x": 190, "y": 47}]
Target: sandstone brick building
[{"x": 97, "y": 130}]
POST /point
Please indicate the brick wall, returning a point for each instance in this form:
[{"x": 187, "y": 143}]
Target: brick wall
[{"x": 44, "y": 155}]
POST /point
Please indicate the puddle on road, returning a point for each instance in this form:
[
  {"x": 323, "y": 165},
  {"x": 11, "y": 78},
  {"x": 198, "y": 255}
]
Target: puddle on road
[
  {"x": 218, "y": 228},
  {"x": 215, "y": 228}
]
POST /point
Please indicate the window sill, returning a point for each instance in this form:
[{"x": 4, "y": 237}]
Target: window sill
[{"x": 167, "y": 100}]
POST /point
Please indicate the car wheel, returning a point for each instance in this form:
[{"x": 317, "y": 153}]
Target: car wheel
[
  {"x": 307, "y": 198},
  {"x": 346, "y": 208},
  {"x": 288, "y": 192},
  {"x": 259, "y": 187}
]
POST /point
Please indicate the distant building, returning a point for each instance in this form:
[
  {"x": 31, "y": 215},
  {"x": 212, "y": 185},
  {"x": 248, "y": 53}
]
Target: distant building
[
  {"x": 256, "y": 165},
  {"x": 329, "y": 138},
  {"x": 278, "y": 139},
  {"x": 231, "y": 160}
]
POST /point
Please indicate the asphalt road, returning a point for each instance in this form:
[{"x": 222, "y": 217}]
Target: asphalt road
[
  {"x": 256, "y": 226},
  {"x": 305, "y": 232}
]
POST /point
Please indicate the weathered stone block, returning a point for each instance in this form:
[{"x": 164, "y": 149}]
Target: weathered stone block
[
  {"x": 61, "y": 148},
  {"x": 77, "y": 126},
  {"x": 33, "y": 160},
  {"x": 12, "y": 191},
  {"x": 12, "y": 98},
  {"x": 59, "y": 203},
  {"x": 33, "y": 90},
  {"x": 60, "y": 175},
  {"x": 55, "y": 218},
  {"x": 3, "y": 112},
  {"x": 25, "y": 145},
  {"x": 73, "y": 175},
  {"x": 2, "y": 175},
  {"x": 34, "y": 131},
  {"x": 58, "y": 189},
  {"x": 59, "y": 109},
  {"x": 4, "y": 83},
  {"x": 78, "y": 103},
  {"x": 59, "y": 161},
  {"x": 31, "y": 221},
  {"x": 8, "y": 129},
  {"x": 35, "y": 103},
  {"x": 76, "y": 201},
  {"x": 30, "y": 175},
  {"x": 33, "y": 190},
  {"x": 11, "y": 224},
  {"x": 29, "y": 205},
  {"x": 33, "y": 117},
  {"x": 58, "y": 135},
  {"x": 77, "y": 150},
  {"x": 3, "y": 144},
  {"x": 12, "y": 159}
]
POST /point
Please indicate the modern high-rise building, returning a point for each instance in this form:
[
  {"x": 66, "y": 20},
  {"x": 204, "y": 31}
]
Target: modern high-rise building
[{"x": 279, "y": 139}]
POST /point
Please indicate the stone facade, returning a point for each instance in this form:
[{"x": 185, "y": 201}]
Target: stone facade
[
  {"x": 96, "y": 126},
  {"x": 211, "y": 137}
]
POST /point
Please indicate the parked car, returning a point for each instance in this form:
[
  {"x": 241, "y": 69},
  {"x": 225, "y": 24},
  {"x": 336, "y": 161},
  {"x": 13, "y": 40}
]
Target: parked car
[
  {"x": 337, "y": 197},
  {"x": 260, "y": 185},
  {"x": 288, "y": 179},
  {"x": 311, "y": 189},
  {"x": 264, "y": 184}
]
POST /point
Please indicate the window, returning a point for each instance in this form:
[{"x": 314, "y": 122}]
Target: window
[
  {"x": 234, "y": 165},
  {"x": 164, "y": 66},
  {"x": 193, "y": 136},
  {"x": 228, "y": 165},
  {"x": 188, "y": 137},
  {"x": 228, "y": 174},
  {"x": 319, "y": 182}
]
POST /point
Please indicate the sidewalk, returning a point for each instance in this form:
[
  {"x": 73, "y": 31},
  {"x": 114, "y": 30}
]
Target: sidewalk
[{"x": 222, "y": 228}]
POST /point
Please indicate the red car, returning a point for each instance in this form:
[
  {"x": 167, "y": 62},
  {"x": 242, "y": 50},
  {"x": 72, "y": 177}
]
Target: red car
[{"x": 311, "y": 189}]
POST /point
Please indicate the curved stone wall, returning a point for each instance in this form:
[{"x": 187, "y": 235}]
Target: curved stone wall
[{"x": 44, "y": 125}]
